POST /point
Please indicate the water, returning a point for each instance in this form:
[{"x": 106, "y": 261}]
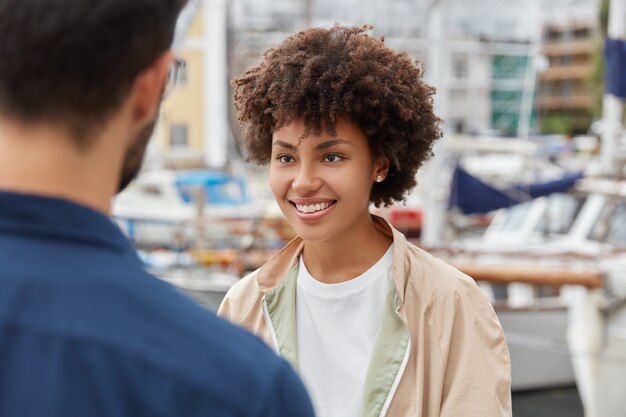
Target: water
[{"x": 555, "y": 402}]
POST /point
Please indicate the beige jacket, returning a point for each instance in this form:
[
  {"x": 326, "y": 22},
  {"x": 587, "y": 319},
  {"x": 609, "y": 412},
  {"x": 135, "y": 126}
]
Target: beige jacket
[{"x": 439, "y": 352}]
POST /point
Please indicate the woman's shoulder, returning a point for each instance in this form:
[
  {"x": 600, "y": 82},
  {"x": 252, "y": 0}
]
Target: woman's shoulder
[
  {"x": 246, "y": 285},
  {"x": 425, "y": 272},
  {"x": 439, "y": 290},
  {"x": 240, "y": 297},
  {"x": 431, "y": 275}
]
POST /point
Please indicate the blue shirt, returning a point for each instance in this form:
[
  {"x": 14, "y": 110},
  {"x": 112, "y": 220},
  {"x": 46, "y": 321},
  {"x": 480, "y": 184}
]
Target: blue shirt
[{"x": 85, "y": 331}]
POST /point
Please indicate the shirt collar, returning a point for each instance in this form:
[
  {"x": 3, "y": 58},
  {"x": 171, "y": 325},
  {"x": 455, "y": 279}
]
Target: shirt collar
[
  {"x": 277, "y": 267},
  {"x": 56, "y": 218}
]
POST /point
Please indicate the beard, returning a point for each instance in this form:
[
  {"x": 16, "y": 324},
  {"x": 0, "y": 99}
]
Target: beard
[{"x": 135, "y": 155}]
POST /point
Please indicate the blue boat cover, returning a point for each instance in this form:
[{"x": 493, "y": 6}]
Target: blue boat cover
[
  {"x": 473, "y": 196},
  {"x": 220, "y": 188},
  {"x": 615, "y": 67}
]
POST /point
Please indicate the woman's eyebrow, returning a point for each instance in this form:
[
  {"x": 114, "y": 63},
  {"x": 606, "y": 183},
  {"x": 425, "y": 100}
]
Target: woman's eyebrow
[
  {"x": 283, "y": 144},
  {"x": 332, "y": 142},
  {"x": 319, "y": 147}
]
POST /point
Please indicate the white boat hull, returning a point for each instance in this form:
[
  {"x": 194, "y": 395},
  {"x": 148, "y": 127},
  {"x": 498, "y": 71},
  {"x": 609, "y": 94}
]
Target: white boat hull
[
  {"x": 597, "y": 339},
  {"x": 537, "y": 345}
]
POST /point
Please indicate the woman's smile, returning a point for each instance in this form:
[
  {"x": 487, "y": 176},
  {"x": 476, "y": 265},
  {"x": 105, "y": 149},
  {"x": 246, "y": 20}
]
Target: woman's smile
[{"x": 313, "y": 211}]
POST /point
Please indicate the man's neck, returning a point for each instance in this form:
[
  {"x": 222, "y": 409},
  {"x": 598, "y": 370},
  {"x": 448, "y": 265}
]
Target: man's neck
[{"x": 43, "y": 160}]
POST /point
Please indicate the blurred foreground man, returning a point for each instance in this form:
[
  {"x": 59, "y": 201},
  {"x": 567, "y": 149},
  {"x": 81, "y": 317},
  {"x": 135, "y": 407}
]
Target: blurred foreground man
[{"x": 84, "y": 331}]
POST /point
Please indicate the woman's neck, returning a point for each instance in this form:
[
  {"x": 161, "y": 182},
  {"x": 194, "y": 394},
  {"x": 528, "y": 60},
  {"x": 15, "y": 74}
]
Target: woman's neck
[{"x": 346, "y": 257}]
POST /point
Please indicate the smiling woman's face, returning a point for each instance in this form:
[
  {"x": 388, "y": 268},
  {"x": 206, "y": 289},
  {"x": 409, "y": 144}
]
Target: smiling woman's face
[{"x": 322, "y": 183}]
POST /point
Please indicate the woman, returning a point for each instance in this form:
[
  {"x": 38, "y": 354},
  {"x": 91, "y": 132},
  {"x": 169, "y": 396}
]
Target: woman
[{"x": 374, "y": 325}]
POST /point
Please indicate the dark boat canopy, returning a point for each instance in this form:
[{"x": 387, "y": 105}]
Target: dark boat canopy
[{"x": 473, "y": 196}]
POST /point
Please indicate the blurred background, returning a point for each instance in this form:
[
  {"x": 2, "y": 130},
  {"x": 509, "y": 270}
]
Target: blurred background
[{"x": 526, "y": 191}]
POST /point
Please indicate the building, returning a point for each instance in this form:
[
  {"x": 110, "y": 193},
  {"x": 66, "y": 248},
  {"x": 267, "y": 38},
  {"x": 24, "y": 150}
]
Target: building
[
  {"x": 512, "y": 92},
  {"x": 179, "y": 134},
  {"x": 565, "y": 98},
  {"x": 483, "y": 62}
]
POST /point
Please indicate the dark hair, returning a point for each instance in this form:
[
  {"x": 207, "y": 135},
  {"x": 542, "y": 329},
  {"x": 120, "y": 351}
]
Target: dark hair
[
  {"x": 73, "y": 61},
  {"x": 321, "y": 74}
]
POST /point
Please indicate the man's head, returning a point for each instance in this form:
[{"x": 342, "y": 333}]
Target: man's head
[{"x": 71, "y": 63}]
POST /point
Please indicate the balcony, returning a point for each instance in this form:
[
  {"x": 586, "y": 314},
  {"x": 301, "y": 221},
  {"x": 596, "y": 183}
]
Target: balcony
[
  {"x": 579, "y": 101},
  {"x": 565, "y": 48},
  {"x": 569, "y": 72}
]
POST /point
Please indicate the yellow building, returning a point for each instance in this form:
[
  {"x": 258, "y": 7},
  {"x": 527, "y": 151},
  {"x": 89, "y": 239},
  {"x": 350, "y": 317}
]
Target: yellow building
[{"x": 193, "y": 128}]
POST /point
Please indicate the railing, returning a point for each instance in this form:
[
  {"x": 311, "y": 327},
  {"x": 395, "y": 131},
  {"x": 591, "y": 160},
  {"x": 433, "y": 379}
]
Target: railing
[{"x": 536, "y": 276}]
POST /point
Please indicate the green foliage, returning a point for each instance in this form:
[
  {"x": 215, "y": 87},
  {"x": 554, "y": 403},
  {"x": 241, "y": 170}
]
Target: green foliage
[
  {"x": 556, "y": 123},
  {"x": 604, "y": 17},
  {"x": 596, "y": 77},
  {"x": 595, "y": 80}
]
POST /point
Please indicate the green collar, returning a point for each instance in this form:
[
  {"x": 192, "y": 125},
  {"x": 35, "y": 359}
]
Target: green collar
[{"x": 281, "y": 305}]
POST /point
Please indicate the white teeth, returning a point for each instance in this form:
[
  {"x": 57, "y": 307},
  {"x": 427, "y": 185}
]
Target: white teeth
[{"x": 312, "y": 208}]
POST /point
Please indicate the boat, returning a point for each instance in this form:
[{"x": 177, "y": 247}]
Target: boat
[
  {"x": 179, "y": 209},
  {"x": 198, "y": 230},
  {"x": 554, "y": 267},
  {"x": 206, "y": 285}
]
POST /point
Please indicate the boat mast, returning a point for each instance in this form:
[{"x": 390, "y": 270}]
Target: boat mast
[
  {"x": 215, "y": 85},
  {"x": 612, "y": 106},
  {"x": 437, "y": 75}
]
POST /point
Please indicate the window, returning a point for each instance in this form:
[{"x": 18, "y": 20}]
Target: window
[
  {"x": 515, "y": 217},
  {"x": 181, "y": 78},
  {"x": 460, "y": 67},
  {"x": 610, "y": 227},
  {"x": 179, "y": 137},
  {"x": 566, "y": 88},
  {"x": 582, "y": 33},
  {"x": 151, "y": 190},
  {"x": 458, "y": 125},
  {"x": 560, "y": 214}
]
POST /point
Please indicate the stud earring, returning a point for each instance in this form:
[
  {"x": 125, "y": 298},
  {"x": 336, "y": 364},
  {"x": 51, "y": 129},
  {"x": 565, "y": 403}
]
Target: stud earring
[{"x": 379, "y": 178}]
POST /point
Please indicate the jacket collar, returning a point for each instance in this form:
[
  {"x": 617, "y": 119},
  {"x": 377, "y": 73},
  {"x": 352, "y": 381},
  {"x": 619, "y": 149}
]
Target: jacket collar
[{"x": 277, "y": 268}]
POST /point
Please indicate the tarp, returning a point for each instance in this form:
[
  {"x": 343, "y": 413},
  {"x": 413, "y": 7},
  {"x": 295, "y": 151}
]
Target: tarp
[
  {"x": 615, "y": 67},
  {"x": 473, "y": 196},
  {"x": 218, "y": 187}
]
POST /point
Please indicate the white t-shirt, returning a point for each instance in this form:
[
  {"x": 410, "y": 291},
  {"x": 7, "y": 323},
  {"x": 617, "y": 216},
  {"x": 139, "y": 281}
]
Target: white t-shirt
[{"x": 336, "y": 325}]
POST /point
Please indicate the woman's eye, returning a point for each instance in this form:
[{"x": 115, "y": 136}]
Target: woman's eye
[
  {"x": 333, "y": 157},
  {"x": 284, "y": 159}
]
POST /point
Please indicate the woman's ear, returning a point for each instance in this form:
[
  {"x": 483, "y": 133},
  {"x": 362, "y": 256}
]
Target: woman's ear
[{"x": 381, "y": 168}]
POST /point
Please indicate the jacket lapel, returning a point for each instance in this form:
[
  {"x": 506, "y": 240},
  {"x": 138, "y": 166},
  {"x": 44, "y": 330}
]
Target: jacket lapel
[
  {"x": 388, "y": 358},
  {"x": 281, "y": 305}
]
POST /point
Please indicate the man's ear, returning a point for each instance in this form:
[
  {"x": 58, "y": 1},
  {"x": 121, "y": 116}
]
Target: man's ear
[{"x": 148, "y": 87}]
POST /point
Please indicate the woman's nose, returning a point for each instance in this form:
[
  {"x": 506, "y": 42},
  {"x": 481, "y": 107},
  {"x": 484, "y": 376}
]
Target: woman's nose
[{"x": 306, "y": 181}]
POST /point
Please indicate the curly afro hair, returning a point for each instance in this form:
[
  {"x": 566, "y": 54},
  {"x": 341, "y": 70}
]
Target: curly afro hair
[{"x": 321, "y": 74}]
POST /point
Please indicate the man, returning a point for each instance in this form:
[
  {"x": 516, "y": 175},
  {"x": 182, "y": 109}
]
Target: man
[{"x": 84, "y": 331}]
